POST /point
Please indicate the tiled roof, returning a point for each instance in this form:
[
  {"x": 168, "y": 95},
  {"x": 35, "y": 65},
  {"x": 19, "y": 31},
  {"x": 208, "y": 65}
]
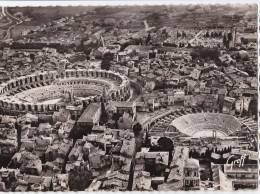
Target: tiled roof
[{"x": 89, "y": 113}]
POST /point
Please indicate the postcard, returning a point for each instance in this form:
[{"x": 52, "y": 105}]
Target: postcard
[{"x": 129, "y": 97}]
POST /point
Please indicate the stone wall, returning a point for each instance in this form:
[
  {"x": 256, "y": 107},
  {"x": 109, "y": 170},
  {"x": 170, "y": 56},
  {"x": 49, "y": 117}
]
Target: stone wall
[{"x": 51, "y": 79}]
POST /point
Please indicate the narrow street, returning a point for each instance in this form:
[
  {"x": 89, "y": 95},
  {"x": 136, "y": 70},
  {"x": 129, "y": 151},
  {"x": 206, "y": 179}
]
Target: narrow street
[
  {"x": 137, "y": 90},
  {"x": 11, "y": 18},
  {"x": 3, "y": 11},
  {"x": 197, "y": 35},
  {"x": 146, "y": 25},
  {"x": 138, "y": 144}
]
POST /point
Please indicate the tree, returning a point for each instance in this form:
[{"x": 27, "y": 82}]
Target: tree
[
  {"x": 253, "y": 107},
  {"x": 204, "y": 53},
  {"x": 178, "y": 35},
  {"x": 77, "y": 132},
  {"x": 164, "y": 31},
  {"x": 244, "y": 41},
  {"x": 51, "y": 186},
  {"x": 205, "y": 174},
  {"x": 229, "y": 36},
  {"x": 105, "y": 64},
  {"x": 207, "y": 34},
  {"x": 207, "y": 153},
  {"x": 79, "y": 179},
  {"x": 148, "y": 39},
  {"x": 137, "y": 128},
  {"x": 191, "y": 154},
  {"x": 28, "y": 12},
  {"x": 115, "y": 117},
  {"x": 106, "y": 61},
  {"x": 165, "y": 144},
  {"x": 104, "y": 115},
  {"x": 224, "y": 40}
]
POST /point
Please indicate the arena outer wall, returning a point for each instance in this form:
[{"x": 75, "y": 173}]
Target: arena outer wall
[{"x": 53, "y": 77}]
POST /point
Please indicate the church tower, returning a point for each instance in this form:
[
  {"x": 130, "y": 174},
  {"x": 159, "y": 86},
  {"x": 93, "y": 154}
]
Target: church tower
[
  {"x": 62, "y": 68},
  {"x": 68, "y": 94},
  {"x": 233, "y": 32}
]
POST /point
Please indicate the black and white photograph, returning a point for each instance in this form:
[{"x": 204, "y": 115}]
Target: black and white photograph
[{"x": 129, "y": 98}]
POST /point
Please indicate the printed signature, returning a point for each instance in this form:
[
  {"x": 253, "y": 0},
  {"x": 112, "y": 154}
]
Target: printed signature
[{"x": 239, "y": 161}]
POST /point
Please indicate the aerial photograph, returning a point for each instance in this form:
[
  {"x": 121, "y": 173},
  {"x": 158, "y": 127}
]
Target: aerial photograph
[{"x": 129, "y": 98}]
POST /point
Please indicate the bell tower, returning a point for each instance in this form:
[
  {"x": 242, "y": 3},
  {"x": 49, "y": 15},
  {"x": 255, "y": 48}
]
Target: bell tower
[
  {"x": 68, "y": 94},
  {"x": 61, "y": 68},
  {"x": 104, "y": 93}
]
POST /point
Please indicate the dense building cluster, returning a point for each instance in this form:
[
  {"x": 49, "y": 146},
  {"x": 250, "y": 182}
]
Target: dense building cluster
[{"x": 129, "y": 98}]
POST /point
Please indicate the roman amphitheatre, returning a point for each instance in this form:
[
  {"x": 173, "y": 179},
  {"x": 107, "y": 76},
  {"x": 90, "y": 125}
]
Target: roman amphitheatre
[
  {"x": 40, "y": 92},
  {"x": 195, "y": 123},
  {"x": 203, "y": 124}
]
